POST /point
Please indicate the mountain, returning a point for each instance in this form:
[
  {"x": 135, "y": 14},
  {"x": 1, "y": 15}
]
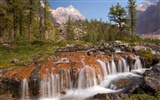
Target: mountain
[
  {"x": 148, "y": 20},
  {"x": 145, "y": 4},
  {"x": 61, "y": 14}
]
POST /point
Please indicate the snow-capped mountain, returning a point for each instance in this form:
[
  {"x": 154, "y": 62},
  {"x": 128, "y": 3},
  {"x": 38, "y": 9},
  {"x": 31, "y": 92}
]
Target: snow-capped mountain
[
  {"x": 62, "y": 14},
  {"x": 145, "y": 4}
]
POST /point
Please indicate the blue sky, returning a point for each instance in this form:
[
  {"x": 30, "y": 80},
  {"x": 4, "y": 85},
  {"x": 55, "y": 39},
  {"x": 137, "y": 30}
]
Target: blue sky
[{"x": 91, "y": 9}]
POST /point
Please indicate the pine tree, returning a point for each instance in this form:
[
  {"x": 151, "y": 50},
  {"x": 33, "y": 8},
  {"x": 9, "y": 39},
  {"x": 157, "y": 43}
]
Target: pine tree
[
  {"x": 47, "y": 17},
  {"x": 117, "y": 14},
  {"x": 70, "y": 35},
  {"x": 132, "y": 13},
  {"x": 57, "y": 34}
]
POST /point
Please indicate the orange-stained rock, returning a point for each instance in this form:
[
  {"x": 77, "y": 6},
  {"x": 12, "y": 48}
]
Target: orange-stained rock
[{"x": 75, "y": 60}]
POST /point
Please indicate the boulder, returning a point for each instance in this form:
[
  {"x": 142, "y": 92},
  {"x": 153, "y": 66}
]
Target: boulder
[
  {"x": 16, "y": 61},
  {"x": 152, "y": 79}
]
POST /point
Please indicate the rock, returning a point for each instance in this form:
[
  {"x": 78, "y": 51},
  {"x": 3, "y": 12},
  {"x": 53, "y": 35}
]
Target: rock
[
  {"x": 121, "y": 83},
  {"x": 63, "y": 92},
  {"x": 152, "y": 79},
  {"x": 117, "y": 43},
  {"x": 134, "y": 87},
  {"x": 124, "y": 95},
  {"x": 6, "y": 97},
  {"x": 16, "y": 61}
]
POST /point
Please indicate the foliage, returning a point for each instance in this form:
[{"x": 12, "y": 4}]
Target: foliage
[
  {"x": 132, "y": 14},
  {"x": 153, "y": 41},
  {"x": 70, "y": 35},
  {"x": 118, "y": 14},
  {"x": 146, "y": 53},
  {"x": 25, "y": 52},
  {"x": 25, "y": 20}
]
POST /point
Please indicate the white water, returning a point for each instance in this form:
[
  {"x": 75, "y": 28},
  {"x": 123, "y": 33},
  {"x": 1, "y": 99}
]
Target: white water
[
  {"x": 24, "y": 94},
  {"x": 89, "y": 83},
  {"x": 137, "y": 64},
  {"x": 125, "y": 66},
  {"x": 113, "y": 66},
  {"x": 49, "y": 86},
  {"x": 103, "y": 65},
  {"x": 85, "y": 79}
]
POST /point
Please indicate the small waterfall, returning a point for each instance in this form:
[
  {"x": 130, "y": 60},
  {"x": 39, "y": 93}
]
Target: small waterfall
[
  {"x": 49, "y": 86},
  {"x": 65, "y": 79},
  {"x": 120, "y": 67},
  {"x": 103, "y": 65},
  {"x": 24, "y": 89},
  {"x": 113, "y": 65},
  {"x": 109, "y": 68},
  {"x": 86, "y": 77},
  {"x": 138, "y": 64},
  {"x": 125, "y": 65},
  {"x": 69, "y": 80}
]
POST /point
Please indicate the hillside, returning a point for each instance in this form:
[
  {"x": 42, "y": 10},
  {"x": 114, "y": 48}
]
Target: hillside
[{"x": 149, "y": 20}]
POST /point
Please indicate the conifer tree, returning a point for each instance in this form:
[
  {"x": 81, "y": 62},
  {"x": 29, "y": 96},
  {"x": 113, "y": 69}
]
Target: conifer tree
[
  {"x": 70, "y": 35},
  {"x": 132, "y": 14},
  {"x": 117, "y": 14}
]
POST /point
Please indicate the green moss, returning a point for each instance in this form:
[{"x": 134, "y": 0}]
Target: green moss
[
  {"x": 145, "y": 53},
  {"x": 157, "y": 95},
  {"x": 141, "y": 97},
  {"x": 24, "y": 52}
]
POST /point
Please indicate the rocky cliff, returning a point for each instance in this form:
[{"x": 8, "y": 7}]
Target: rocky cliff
[{"x": 149, "y": 20}]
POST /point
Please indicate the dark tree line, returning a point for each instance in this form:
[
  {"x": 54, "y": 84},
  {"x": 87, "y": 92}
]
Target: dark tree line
[{"x": 24, "y": 19}]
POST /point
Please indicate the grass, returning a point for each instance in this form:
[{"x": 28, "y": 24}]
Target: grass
[
  {"x": 25, "y": 52},
  {"x": 145, "y": 53},
  {"x": 141, "y": 97},
  {"x": 28, "y": 52},
  {"x": 145, "y": 97}
]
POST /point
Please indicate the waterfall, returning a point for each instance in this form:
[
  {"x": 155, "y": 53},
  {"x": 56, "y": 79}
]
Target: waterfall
[
  {"x": 109, "y": 68},
  {"x": 91, "y": 80},
  {"x": 103, "y": 65},
  {"x": 86, "y": 77},
  {"x": 24, "y": 89},
  {"x": 120, "y": 68},
  {"x": 49, "y": 86},
  {"x": 113, "y": 66},
  {"x": 125, "y": 65},
  {"x": 138, "y": 64}
]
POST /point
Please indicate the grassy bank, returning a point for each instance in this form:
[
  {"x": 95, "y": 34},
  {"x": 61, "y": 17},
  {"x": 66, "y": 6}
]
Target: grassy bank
[
  {"x": 30, "y": 51},
  {"x": 25, "y": 52}
]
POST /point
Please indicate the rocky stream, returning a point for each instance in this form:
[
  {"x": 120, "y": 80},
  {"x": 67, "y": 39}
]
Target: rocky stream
[{"x": 95, "y": 73}]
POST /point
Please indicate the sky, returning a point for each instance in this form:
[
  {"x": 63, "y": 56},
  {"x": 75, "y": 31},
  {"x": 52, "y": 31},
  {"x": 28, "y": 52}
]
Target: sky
[{"x": 91, "y": 9}]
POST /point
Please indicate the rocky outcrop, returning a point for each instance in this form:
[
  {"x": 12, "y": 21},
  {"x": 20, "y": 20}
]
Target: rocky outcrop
[
  {"x": 148, "y": 21},
  {"x": 152, "y": 79}
]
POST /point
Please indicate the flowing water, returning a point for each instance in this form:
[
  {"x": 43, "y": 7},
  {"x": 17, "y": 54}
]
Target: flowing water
[
  {"x": 25, "y": 89},
  {"x": 89, "y": 83}
]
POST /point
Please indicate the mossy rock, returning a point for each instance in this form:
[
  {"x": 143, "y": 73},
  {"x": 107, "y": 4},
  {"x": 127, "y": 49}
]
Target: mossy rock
[{"x": 141, "y": 97}]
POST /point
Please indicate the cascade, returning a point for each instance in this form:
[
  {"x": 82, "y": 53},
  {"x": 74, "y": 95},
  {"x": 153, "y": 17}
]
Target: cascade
[
  {"x": 86, "y": 77},
  {"x": 103, "y": 65},
  {"x": 113, "y": 66},
  {"x": 125, "y": 65},
  {"x": 90, "y": 80},
  {"x": 120, "y": 66},
  {"x": 109, "y": 68},
  {"x": 49, "y": 85},
  {"x": 138, "y": 64},
  {"x": 24, "y": 89}
]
